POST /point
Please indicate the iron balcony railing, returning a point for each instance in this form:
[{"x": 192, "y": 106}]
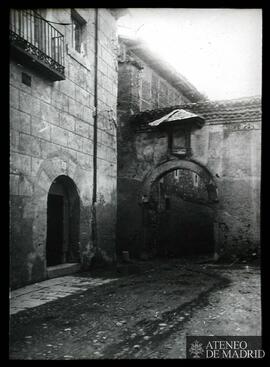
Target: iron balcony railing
[{"x": 36, "y": 37}]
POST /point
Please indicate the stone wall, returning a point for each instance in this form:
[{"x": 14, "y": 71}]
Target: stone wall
[
  {"x": 141, "y": 87},
  {"x": 51, "y": 134},
  {"x": 228, "y": 147}
]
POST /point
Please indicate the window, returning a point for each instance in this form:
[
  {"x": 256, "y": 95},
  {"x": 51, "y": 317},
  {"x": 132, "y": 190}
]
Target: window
[{"x": 78, "y": 31}]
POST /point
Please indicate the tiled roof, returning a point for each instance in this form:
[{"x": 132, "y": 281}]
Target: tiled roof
[{"x": 227, "y": 110}]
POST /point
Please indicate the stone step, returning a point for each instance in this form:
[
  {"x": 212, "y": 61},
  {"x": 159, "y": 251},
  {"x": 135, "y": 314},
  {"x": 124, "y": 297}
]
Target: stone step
[{"x": 63, "y": 269}]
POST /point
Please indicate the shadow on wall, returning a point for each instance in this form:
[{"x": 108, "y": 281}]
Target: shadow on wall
[
  {"x": 106, "y": 227},
  {"x": 129, "y": 218}
]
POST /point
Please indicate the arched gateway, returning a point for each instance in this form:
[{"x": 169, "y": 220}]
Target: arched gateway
[
  {"x": 178, "y": 214},
  {"x": 172, "y": 165}
]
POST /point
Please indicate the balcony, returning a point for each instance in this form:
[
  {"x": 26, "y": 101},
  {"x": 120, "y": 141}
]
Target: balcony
[{"x": 36, "y": 43}]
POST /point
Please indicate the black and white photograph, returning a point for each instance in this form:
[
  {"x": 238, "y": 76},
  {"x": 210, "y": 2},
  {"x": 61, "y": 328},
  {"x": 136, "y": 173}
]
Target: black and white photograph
[{"x": 135, "y": 159}]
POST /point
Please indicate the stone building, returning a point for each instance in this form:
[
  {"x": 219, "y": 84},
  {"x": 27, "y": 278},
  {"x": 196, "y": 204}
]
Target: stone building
[
  {"x": 188, "y": 168},
  {"x": 63, "y": 96}
]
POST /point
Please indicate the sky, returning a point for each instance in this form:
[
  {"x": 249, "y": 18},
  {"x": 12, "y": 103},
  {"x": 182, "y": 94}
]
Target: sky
[{"x": 218, "y": 50}]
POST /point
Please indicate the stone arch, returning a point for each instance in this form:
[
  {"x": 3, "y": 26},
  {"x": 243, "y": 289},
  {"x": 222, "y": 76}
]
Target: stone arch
[
  {"x": 172, "y": 165},
  {"x": 57, "y": 164},
  {"x": 165, "y": 168},
  {"x": 63, "y": 217}
]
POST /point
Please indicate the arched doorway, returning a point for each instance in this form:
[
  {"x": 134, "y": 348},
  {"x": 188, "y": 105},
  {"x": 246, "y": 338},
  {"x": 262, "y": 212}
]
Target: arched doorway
[
  {"x": 178, "y": 213},
  {"x": 63, "y": 211}
]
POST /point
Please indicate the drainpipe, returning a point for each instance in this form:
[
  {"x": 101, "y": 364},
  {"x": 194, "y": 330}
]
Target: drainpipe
[{"x": 94, "y": 195}]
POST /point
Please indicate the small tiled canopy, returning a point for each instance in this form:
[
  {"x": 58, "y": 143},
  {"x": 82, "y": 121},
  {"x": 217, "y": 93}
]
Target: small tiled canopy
[{"x": 178, "y": 115}]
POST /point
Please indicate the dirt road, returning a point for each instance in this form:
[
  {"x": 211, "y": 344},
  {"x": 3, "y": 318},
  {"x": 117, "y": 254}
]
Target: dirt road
[{"x": 143, "y": 315}]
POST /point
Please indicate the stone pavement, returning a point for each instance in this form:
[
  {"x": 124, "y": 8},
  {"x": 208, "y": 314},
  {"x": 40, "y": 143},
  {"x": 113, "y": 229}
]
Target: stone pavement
[{"x": 49, "y": 290}]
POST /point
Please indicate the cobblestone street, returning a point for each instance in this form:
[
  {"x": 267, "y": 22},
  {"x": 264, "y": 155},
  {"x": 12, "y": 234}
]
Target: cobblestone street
[{"x": 142, "y": 315}]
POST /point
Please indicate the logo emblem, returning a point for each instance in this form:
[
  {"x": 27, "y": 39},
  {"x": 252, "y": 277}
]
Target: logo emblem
[{"x": 196, "y": 349}]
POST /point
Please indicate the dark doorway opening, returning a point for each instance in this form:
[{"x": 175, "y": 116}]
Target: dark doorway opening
[
  {"x": 62, "y": 223},
  {"x": 55, "y": 235},
  {"x": 179, "y": 222}
]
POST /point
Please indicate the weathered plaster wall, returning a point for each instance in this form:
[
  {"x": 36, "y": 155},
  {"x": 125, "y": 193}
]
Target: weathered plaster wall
[
  {"x": 51, "y": 133},
  {"x": 229, "y": 147}
]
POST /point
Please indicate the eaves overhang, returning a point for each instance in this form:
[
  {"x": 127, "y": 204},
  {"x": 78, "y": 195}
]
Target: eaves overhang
[{"x": 176, "y": 117}]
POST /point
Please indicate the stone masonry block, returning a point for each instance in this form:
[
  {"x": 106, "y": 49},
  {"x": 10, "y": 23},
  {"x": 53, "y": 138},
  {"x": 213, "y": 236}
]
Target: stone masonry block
[
  {"x": 20, "y": 163},
  {"x": 87, "y": 146},
  {"x": 101, "y": 151},
  {"x": 49, "y": 113},
  {"x": 107, "y": 56},
  {"x": 47, "y": 148},
  {"x": 100, "y": 136},
  {"x": 82, "y": 129},
  {"x": 85, "y": 160},
  {"x": 36, "y": 162},
  {"x": 14, "y": 140},
  {"x": 78, "y": 74},
  {"x": 91, "y": 132},
  {"x": 20, "y": 121},
  {"x": 59, "y": 136},
  {"x": 14, "y": 118},
  {"x": 25, "y": 123},
  {"x": 43, "y": 90},
  {"x": 88, "y": 115},
  {"x": 14, "y": 72},
  {"x": 114, "y": 90},
  {"x": 67, "y": 121},
  {"x": 102, "y": 94},
  {"x": 106, "y": 40},
  {"x": 14, "y": 97},
  {"x": 25, "y": 186},
  {"x": 75, "y": 141},
  {"x": 29, "y": 104},
  {"x": 41, "y": 128},
  {"x": 111, "y": 155},
  {"x": 102, "y": 66},
  {"x": 75, "y": 108},
  {"x": 59, "y": 100},
  {"x": 14, "y": 184},
  {"x": 72, "y": 166},
  {"x": 111, "y": 100},
  {"x": 44, "y": 181},
  {"x": 89, "y": 83},
  {"x": 91, "y": 100},
  {"x": 25, "y": 144},
  {"x": 30, "y": 145},
  {"x": 112, "y": 74},
  {"x": 82, "y": 96},
  {"x": 68, "y": 87},
  {"x": 109, "y": 139}
]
